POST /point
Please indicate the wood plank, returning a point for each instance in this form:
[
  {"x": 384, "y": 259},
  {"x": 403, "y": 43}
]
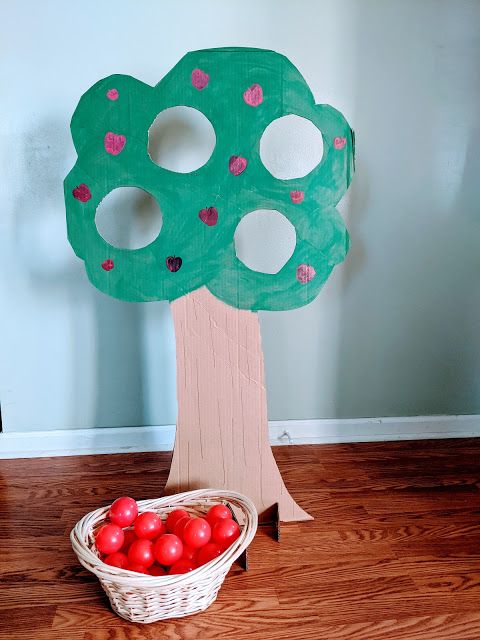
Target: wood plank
[
  {"x": 448, "y": 583},
  {"x": 16, "y": 619},
  {"x": 441, "y": 627},
  {"x": 40, "y": 634}
]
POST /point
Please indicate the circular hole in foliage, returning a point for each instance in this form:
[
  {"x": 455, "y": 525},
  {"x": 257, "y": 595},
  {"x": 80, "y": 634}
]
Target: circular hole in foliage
[
  {"x": 291, "y": 147},
  {"x": 128, "y": 218},
  {"x": 264, "y": 240},
  {"x": 181, "y": 139}
]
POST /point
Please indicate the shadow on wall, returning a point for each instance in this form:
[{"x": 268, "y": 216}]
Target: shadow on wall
[
  {"x": 119, "y": 362},
  {"x": 411, "y": 288},
  {"x": 135, "y": 362},
  {"x": 114, "y": 344}
]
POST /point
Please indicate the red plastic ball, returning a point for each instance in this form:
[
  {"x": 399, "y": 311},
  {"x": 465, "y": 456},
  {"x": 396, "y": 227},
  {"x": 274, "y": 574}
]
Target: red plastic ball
[
  {"x": 138, "y": 568},
  {"x": 148, "y": 525},
  {"x": 157, "y": 570},
  {"x": 117, "y": 559},
  {"x": 182, "y": 566},
  {"x": 123, "y": 511},
  {"x": 197, "y": 533},
  {"x": 189, "y": 554},
  {"x": 218, "y": 512},
  {"x": 129, "y": 537},
  {"x": 174, "y": 516},
  {"x": 109, "y": 538},
  {"x": 225, "y": 532},
  {"x": 180, "y": 526},
  {"x": 141, "y": 552},
  {"x": 209, "y": 552},
  {"x": 168, "y": 549}
]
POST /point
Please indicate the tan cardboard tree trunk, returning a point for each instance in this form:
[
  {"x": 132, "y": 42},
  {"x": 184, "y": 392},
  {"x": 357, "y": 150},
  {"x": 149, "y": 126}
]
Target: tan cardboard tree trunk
[{"x": 222, "y": 431}]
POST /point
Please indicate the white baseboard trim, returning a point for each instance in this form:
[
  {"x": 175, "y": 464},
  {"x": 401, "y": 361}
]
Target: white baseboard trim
[{"x": 71, "y": 442}]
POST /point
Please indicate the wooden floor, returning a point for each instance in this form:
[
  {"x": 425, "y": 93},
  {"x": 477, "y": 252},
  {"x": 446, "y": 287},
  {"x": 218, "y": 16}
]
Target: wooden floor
[{"x": 393, "y": 552}]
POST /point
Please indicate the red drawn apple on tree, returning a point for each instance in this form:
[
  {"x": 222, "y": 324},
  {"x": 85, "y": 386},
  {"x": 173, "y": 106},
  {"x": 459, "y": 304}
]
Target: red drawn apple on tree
[
  {"x": 237, "y": 165},
  {"x": 209, "y": 216},
  {"x": 112, "y": 94},
  {"x": 114, "y": 143},
  {"x": 297, "y": 196},
  {"x": 200, "y": 79},
  {"x": 173, "y": 263},
  {"x": 82, "y": 193},
  {"x": 107, "y": 265},
  {"x": 253, "y": 95},
  {"x": 305, "y": 273}
]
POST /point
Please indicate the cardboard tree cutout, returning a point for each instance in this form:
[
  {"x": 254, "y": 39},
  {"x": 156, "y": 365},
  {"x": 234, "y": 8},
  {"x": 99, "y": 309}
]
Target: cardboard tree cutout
[{"x": 222, "y": 431}]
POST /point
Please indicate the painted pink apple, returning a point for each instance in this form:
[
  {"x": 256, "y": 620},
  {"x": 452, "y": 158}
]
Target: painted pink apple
[
  {"x": 209, "y": 216},
  {"x": 305, "y": 273},
  {"x": 114, "y": 143},
  {"x": 253, "y": 95},
  {"x": 173, "y": 263},
  {"x": 82, "y": 193},
  {"x": 237, "y": 165},
  {"x": 297, "y": 196},
  {"x": 112, "y": 94},
  {"x": 108, "y": 265},
  {"x": 339, "y": 142},
  {"x": 200, "y": 79}
]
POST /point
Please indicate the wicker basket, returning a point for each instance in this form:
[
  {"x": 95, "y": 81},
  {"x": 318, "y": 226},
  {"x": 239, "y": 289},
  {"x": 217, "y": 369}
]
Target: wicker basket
[{"x": 142, "y": 598}]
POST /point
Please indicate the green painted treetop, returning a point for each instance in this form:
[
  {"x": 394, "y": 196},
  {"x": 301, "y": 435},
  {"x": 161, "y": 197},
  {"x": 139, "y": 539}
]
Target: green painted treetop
[{"x": 240, "y": 91}]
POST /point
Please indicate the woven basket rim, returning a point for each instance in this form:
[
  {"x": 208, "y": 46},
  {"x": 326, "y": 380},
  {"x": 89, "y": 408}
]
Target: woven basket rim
[{"x": 81, "y": 537}]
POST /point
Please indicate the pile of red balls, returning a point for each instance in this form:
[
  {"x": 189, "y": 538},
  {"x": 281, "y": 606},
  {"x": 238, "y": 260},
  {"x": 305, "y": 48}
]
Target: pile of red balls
[{"x": 145, "y": 544}]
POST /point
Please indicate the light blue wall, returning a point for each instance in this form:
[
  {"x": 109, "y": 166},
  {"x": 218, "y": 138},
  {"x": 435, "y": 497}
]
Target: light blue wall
[{"x": 396, "y": 329}]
